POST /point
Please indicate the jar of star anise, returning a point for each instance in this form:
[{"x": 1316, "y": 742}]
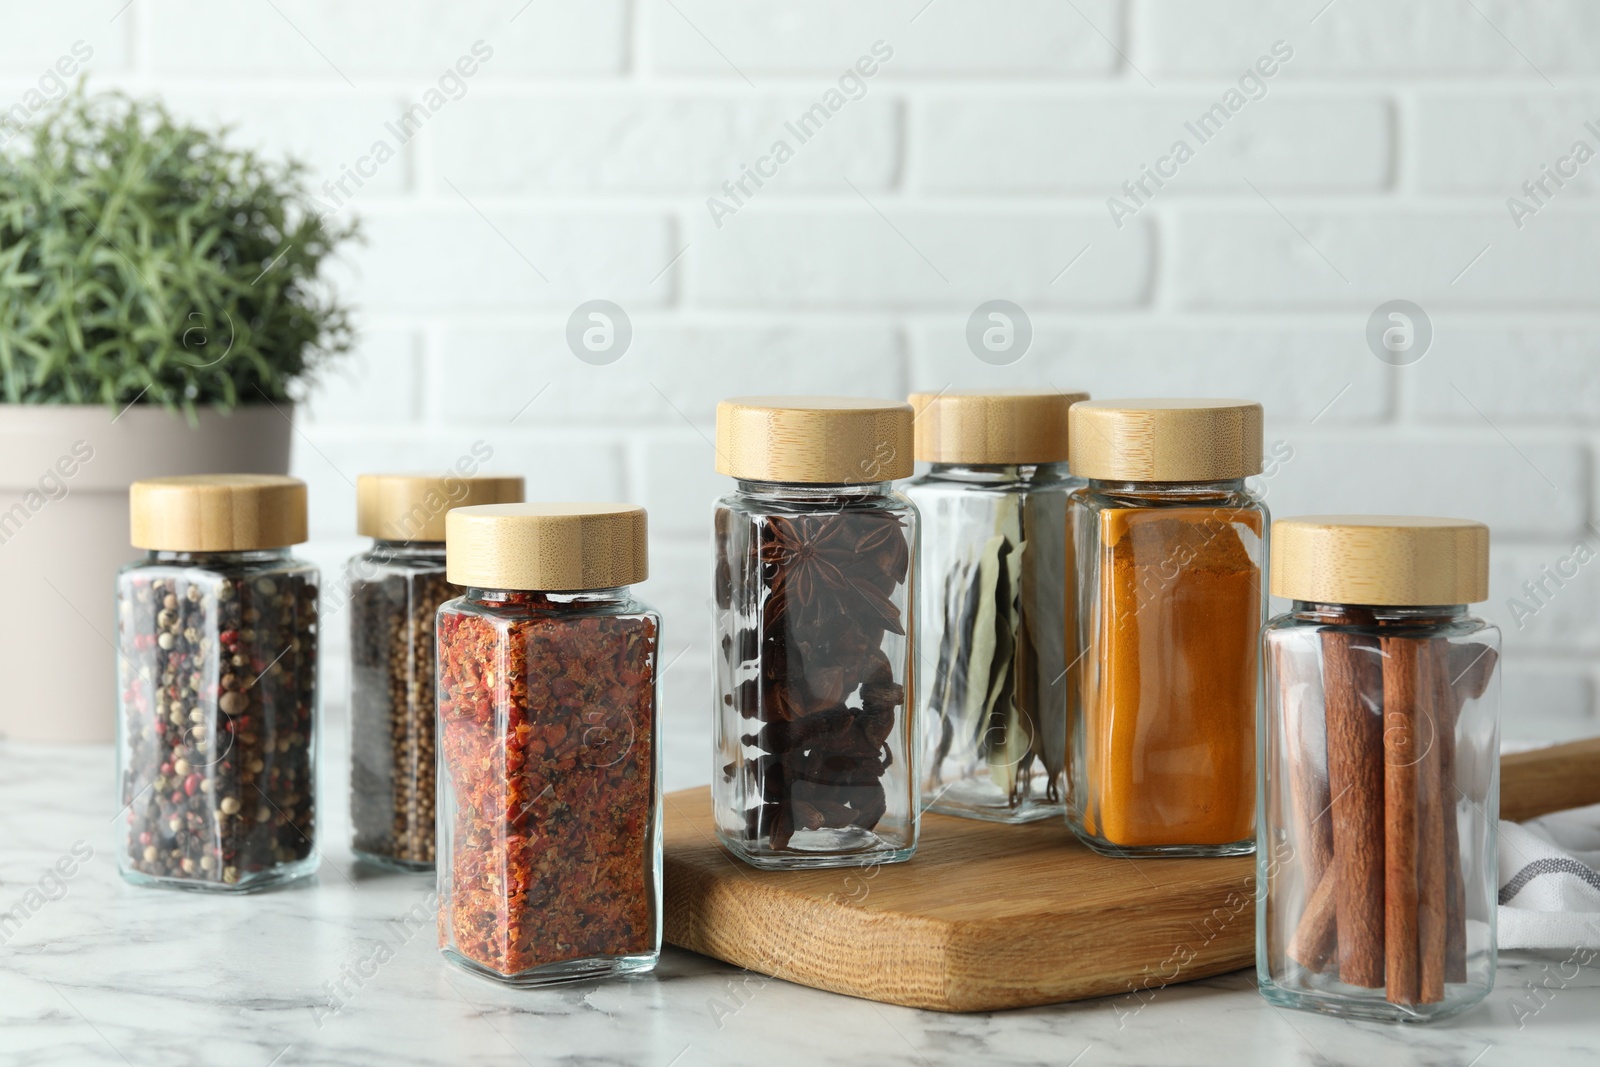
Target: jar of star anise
[
  {"x": 550, "y": 770},
  {"x": 815, "y": 755},
  {"x": 217, "y": 685},
  {"x": 396, "y": 588}
]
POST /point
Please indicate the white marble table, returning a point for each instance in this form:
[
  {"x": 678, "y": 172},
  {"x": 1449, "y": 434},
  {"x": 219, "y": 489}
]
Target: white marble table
[{"x": 323, "y": 974}]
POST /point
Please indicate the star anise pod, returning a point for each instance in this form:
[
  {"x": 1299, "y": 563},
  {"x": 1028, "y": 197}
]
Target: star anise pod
[{"x": 805, "y": 559}]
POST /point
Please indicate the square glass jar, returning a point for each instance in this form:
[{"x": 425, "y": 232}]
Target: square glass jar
[
  {"x": 217, "y": 676},
  {"x": 815, "y": 748},
  {"x": 1377, "y": 872},
  {"x": 550, "y": 823},
  {"x": 1171, "y": 557}
]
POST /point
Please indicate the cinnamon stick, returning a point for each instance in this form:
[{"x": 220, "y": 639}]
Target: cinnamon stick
[
  {"x": 1314, "y": 938},
  {"x": 1305, "y": 737},
  {"x": 1316, "y": 935},
  {"x": 1401, "y": 751},
  {"x": 1353, "y": 695},
  {"x": 1432, "y": 884}
]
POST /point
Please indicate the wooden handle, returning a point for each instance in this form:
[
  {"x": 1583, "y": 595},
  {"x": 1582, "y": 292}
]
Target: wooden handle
[{"x": 1550, "y": 779}]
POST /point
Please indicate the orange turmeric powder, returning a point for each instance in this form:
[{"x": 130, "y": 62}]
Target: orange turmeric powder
[{"x": 1170, "y": 678}]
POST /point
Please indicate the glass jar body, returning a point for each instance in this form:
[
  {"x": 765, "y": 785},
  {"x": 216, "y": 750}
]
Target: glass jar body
[
  {"x": 815, "y": 762},
  {"x": 1380, "y": 798},
  {"x": 549, "y": 837},
  {"x": 216, "y": 725},
  {"x": 995, "y": 623},
  {"x": 1170, "y": 606},
  {"x": 396, "y": 589}
]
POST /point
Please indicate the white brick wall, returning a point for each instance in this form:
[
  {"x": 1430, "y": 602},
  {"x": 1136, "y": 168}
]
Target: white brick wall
[{"x": 976, "y": 163}]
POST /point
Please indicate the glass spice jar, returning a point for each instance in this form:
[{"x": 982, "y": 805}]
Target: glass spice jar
[
  {"x": 1170, "y": 548},
  {"x": 815, "y": 749},
  {"x": 1379, "y": 786},
  {"x": 995, "y": 601},
  {"x": 217, "y": 680},
  {"x": 396, "y": 588},
  {"x": 549, "y": 745}
]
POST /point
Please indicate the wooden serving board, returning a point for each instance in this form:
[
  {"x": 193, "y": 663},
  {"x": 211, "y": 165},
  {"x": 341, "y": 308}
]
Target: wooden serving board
[
  {"x": 984, "y": 916},
  {"x": 989, "y": 916}
]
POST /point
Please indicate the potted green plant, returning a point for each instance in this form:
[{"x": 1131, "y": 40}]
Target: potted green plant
[{"x": 160, "y": 307}]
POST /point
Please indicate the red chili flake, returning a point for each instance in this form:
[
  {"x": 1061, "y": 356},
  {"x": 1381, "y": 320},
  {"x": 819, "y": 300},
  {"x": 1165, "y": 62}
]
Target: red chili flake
[{"x": 551, "y": 849}]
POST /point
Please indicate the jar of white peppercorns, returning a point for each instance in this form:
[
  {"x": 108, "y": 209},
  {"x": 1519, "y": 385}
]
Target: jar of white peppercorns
[
  {"x": 396, "y": 588},
  {"x": 217, "y": 685}
]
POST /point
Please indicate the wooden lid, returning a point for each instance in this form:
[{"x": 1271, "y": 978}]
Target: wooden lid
[
  {"x": 993, "y": 425},
  {"x": 217, "y": 512},
  {"x": 832, "y": 440},
  {"x": 548, "y": 547},
  {"x": 1165, "y": 440},
  {"x": 411, "y": 507},
  {"x": 1390, "y": 560}
]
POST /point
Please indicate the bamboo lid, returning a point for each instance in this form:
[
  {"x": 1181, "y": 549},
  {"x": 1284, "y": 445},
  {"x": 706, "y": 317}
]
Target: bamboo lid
[
  {"x": 411, "y": 507},
  {"x": 829, "y": 440},
  {"x": 1390, "y": 560},
  {"x": 993, "y": 425},
  {"x": 546, "y": 547},
  {"x": 1165, "y": 440},
  {"x": 217, "y": 512}
]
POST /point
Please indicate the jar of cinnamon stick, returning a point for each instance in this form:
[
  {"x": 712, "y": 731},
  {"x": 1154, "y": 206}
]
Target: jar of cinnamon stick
[
  {"x": 996, "y": 589},
  {"x": 1380, "y": 745},
  {"x": 396, "y": 587},
  {"x": 1170, "y": 553},
  {"x": 550, "y": 828},
  {"x": 815, "y": 754}
]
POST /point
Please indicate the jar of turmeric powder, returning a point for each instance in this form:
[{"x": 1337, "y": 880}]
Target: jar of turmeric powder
[
  {"x": 993, "y": 601},
  {"x": 1170, "y": 553},
  {"x": 1380, "y": 745}
]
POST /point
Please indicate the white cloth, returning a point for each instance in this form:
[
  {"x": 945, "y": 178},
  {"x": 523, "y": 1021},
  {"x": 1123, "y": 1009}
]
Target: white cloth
[{"x": 1549, "y": 886}]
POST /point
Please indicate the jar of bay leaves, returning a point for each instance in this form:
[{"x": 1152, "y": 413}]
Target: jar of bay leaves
[
  {"x": 395, "y": 590},
  {"x": 1171, "y": 553},
  {"x": 217, "y": 685},
  {"x": 815, "y": 753},
  {"x": 994, "y": 601}
]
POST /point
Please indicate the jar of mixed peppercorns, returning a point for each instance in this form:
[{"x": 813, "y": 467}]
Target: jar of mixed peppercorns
[
  {"x": 217, "y": 676},
  {"x": 815, "y": 760},
  {"x": 396, "y": 588},
  {"x": 550, "y": 769}
]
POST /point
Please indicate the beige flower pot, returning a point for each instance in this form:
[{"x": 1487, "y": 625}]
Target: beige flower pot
[{"x": 64, "y": 476}]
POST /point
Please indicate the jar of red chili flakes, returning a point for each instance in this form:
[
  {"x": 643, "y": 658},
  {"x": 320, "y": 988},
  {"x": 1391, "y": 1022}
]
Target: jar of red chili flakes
[
  {"x": 549, "y": 848},
  {"x": 217, "y": 678}
]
